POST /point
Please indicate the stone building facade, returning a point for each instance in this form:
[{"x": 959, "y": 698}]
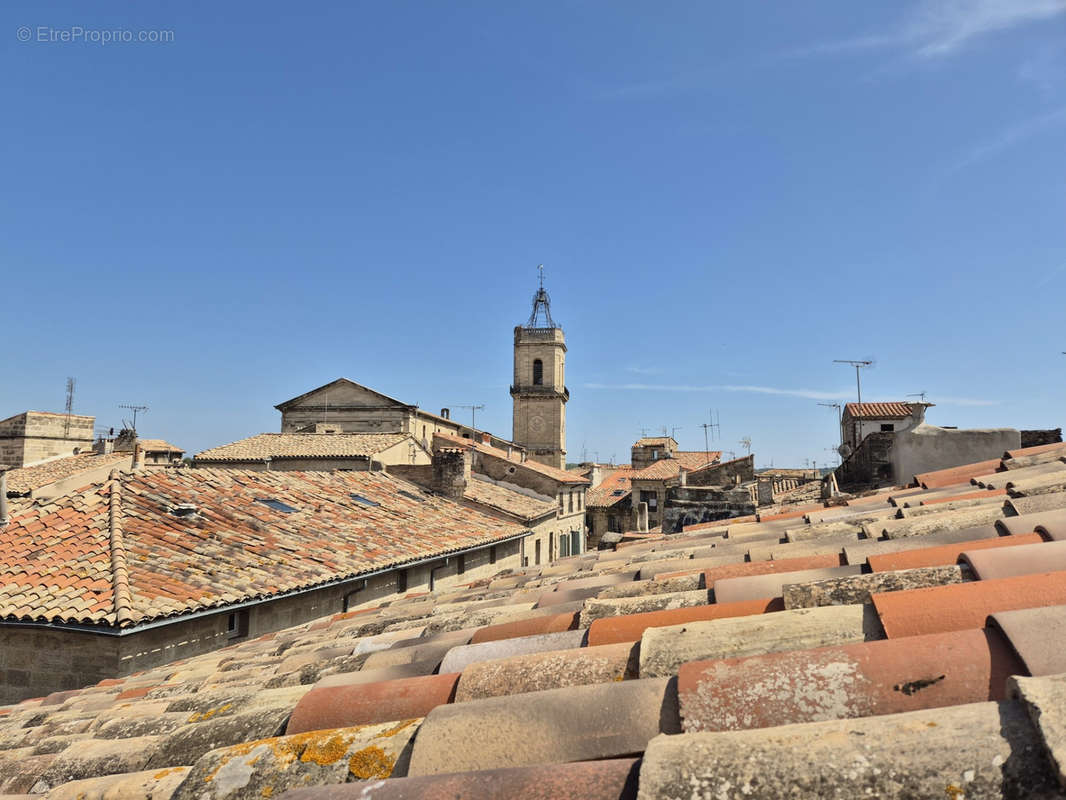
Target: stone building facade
[
  {"x": 35, "y": 436},
  {"x": 344, "y": 406}
]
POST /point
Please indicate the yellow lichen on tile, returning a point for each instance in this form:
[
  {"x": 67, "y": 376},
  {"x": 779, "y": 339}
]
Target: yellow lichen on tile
[{"x": 371, "y": 762}]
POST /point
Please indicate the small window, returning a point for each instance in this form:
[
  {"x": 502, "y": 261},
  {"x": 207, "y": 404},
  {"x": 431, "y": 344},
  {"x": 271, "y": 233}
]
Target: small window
[
  {"x": 561, "y": 501},
  {"x": 575, "y": 542},
  {"x": 580, "y": 500},
  {"x": 460, "y": 564},
  {"x": 655, "y": 455},
  {"x": 571, "y": 508},
  {"x": 564, "y": 546},
  {"x": 365, "y": 501},
  {"x": 237, "y": 624},
  {"x": 277, "y": 505},
  {"x": 618, "y": 492},
  {"x": 536, "y": 553},
  {"x": 888, "y": 427},
  {"x": 401, "y": 581},
  {"x": 538, "y": 372},
  {"x": 492, "y": 554}
]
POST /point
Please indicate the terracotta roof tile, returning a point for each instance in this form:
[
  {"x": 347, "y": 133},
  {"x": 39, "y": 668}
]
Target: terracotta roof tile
[
  {"x": 172, "y": 562},
  {"x": 942, "y": 555},
  {"x": 965, "y": 606},
  {"x": 845, "y": 681},
  {"x": 953, "y": 475},
  {"x": 878, "y": 410},
  {"x": 33, "y": 477},
  {"x": 303, "y": 445},
  {"x": 613, "y": 489}
]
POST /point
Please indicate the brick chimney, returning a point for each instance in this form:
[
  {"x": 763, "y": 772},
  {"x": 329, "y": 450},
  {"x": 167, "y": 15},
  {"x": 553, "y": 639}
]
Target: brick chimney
[{"x": 451, "y": 473}]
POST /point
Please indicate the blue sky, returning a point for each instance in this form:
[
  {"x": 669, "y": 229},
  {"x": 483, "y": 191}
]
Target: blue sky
[{"x": 726, "y": 197}]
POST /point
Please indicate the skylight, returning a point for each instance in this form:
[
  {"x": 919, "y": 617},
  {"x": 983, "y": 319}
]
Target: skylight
[
  {"x": 411, "y": 495},
  {"x": 277, "y": 505},
  {"x": 360, "y": 499}
]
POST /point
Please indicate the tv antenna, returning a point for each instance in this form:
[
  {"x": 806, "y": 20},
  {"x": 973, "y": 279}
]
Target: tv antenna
[
  {"x": 674, "y": 430},
  {"x": 745, "y": 442},
  {"x": 918, "y": 394},
  {"x": 135, "y": 410},
  {"x": 474, "y": 408},
  {"x": 858, "y": 365},
  {"x": 69, "y": 407},
  {"x": 713, "y": 427}
]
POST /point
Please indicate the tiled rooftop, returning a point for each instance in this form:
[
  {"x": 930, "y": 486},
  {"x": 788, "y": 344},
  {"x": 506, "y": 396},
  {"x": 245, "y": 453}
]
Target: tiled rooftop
[
  {"x": 159, "y": 445},
  {"x": 33, "y": 477},
  {"x": 878, "y": 410},
  {"x": 666, "y": 468},
  {"x": 882, "y": 648},
  {"x": 60, "y": 560},
  {"x": 611, "y": 489},
  {"x": 302, "y": 445},
  {"x": 561, "y": 475},
  {"x": 500, "y": 496}
]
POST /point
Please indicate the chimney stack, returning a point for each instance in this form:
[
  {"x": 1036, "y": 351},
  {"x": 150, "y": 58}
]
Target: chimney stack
[
  {"x": 451, "y": 473},
  {"x": 446, "y": 413},
  {"x": 642, "y": 518},
  {"x": 4, "y": 519},
  {"x": 486, "y": 438},
  {"x": 682, "y": 476}
]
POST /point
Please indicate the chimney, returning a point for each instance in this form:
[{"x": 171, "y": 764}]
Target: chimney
[
  {"x": 451, "y": 473},
  {"x": 138, "y": 456},
  {"x": 4, "y": 519},
  {"x": 104, "y": 446},
  {"x": 682, "y": 476},
  {"x": 510, "y": 452},
  {"x": 642, "y": 518},
  {"x": 486, "y": 438},
  {"x": 446, "y": 413}
]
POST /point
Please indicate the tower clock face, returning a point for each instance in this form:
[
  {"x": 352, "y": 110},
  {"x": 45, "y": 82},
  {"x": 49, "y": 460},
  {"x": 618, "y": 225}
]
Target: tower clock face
[{"x": 536, "y": 423}]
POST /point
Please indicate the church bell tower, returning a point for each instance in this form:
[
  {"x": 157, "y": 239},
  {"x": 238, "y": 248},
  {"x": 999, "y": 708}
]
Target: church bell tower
[{"x": 539, "y": 388}]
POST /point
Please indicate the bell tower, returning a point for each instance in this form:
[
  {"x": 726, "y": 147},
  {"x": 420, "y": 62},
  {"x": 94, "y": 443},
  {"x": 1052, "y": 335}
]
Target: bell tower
[{"x": 539, "y": 389}]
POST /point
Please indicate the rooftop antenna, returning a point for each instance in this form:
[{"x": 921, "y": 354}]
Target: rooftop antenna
[
  {"x": 541, "y": 305},
  {"x": 918, "y": 394},
  {"x": 710, "y": 426},
  {"x": 858, "y": 365},
  {"x": 746, "y": 444},
  {"x": 474, "y": 408},
  {"x": 70, "y": 407},
  {"x": 135, "y": 410},
  {"x": 674, "y": 430},
  {"x": 837, "y": 407}
]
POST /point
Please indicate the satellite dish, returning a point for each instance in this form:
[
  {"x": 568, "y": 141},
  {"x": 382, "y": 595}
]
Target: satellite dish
[{"x": 844, "y": 450}]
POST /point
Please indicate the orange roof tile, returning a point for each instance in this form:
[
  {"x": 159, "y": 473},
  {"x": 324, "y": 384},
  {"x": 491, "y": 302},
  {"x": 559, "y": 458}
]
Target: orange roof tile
[{"x": 878, "y": 410}]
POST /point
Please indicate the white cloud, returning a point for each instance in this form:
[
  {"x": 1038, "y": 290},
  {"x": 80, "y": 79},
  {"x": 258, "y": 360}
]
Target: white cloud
[
  {"x": 810, "y": 394},
  {"x": 939, "y": 28},
  {"x": 643, "y": 370},
  {"x": 1009, "y": 137}
]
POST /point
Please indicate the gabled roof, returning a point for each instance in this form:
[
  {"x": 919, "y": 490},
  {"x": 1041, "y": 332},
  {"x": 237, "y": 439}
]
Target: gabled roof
[
  {"x": 158, "y": 445},
  {"x": 303, "y": 445},
  {"x": 341, "y": 382},
  {"x": 116, "y": 554},
  {"x": 561, "y": 475},
  {"x": 880, "y": 410}
]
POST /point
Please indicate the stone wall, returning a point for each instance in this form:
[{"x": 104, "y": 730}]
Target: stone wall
[
  {"x": 36, "y": 436},
  {"x": 1036, "y": 438},
  {"x": 691, "y": 505},
  {"x": 725, "y": 474},
  {"x": 869, "y": 465},
  {"x": 928, "y": 448}
]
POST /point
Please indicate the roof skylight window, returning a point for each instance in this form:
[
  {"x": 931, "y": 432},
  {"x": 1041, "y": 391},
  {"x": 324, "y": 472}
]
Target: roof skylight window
[
  {"x": 277, "y": 505},
  {"x": 365, "y": 501},
  {"x": 411, "y": 495}
]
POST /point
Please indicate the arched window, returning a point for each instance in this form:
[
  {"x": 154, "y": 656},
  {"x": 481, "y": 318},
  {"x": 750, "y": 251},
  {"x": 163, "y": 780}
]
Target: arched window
[{"x": 538, "y": 372}]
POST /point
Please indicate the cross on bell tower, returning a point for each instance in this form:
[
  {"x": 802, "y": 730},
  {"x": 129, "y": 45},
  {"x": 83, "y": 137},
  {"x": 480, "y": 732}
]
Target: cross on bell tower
[{"x": 539, "y": 389}]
